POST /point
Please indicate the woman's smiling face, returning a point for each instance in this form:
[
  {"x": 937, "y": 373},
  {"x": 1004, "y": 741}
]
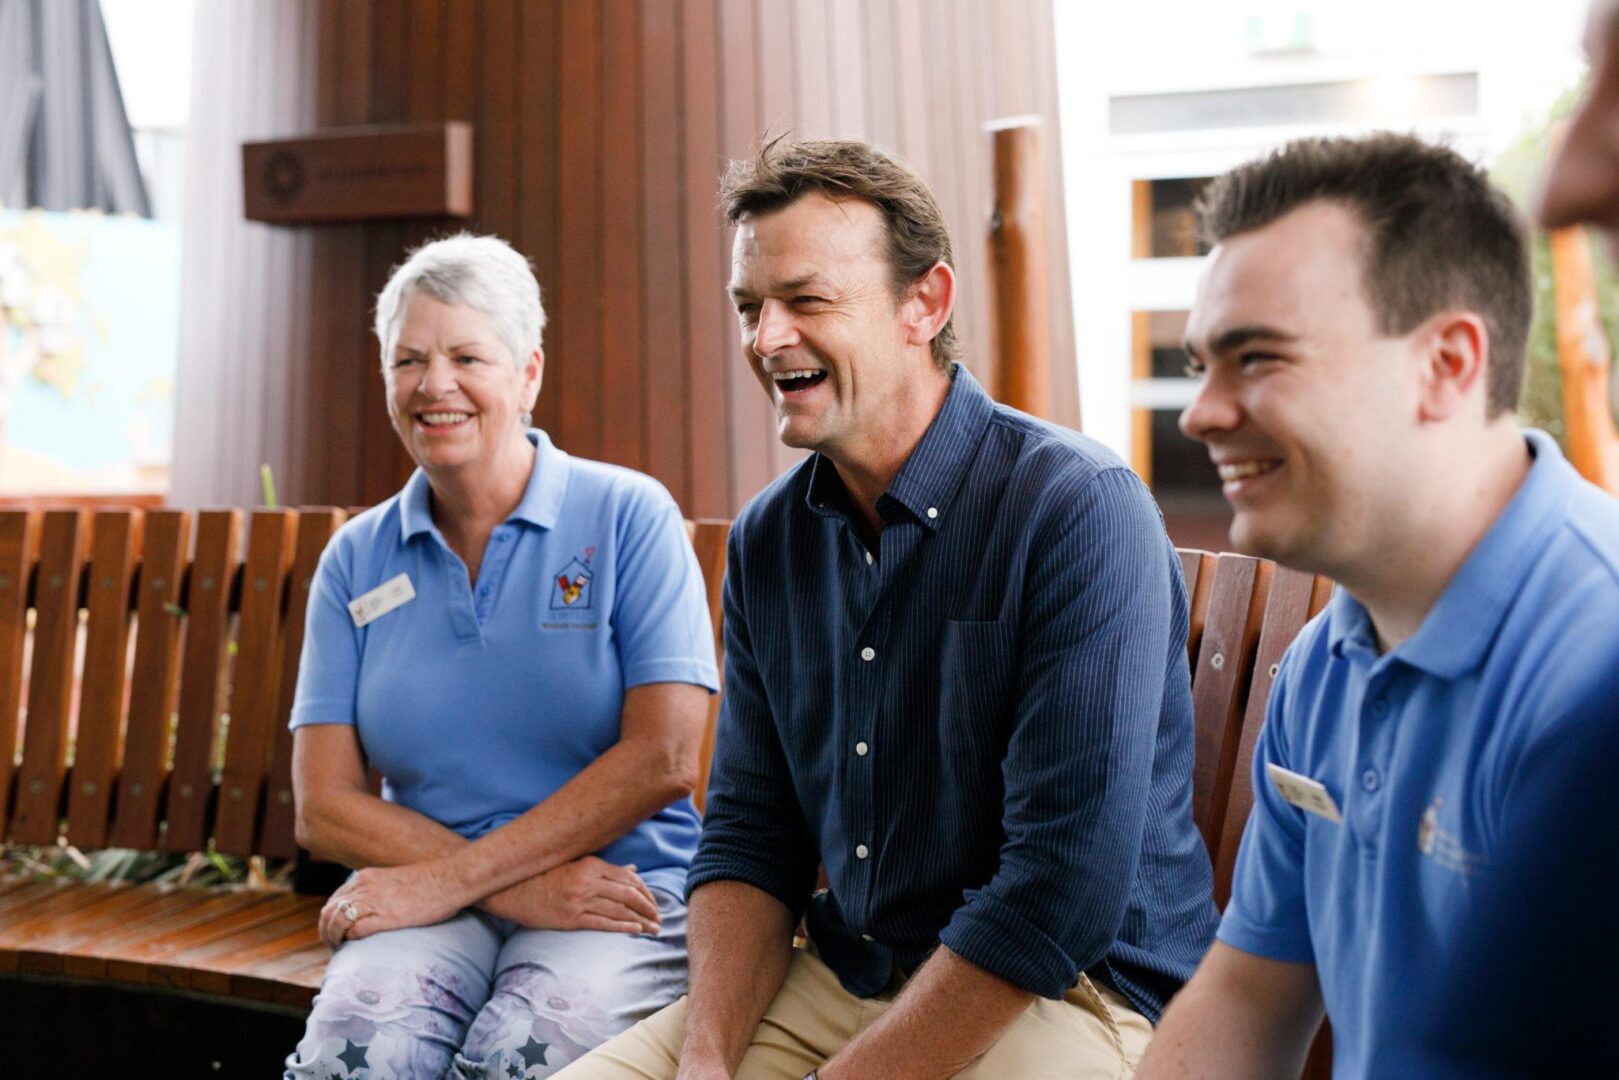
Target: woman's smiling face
[{"x": 454, "y": 391}]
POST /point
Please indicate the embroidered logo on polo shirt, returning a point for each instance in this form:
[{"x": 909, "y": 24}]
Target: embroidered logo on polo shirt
[
  {"x": 572, "y": 587},
  {"x": 1443, "y": 846}
]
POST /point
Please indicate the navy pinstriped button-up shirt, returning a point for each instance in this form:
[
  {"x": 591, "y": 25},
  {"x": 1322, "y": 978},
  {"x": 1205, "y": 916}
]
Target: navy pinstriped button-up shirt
[{"x": 982, "y": 728}]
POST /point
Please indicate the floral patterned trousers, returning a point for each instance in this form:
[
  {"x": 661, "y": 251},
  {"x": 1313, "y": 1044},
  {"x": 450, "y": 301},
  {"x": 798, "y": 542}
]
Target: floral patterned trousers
[{"x": 477, "y": 996}]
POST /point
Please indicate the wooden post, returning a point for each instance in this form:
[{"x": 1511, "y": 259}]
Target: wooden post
[
  {"x": 1017, "y": 247},
  {"x": 1583, "y": 357}
]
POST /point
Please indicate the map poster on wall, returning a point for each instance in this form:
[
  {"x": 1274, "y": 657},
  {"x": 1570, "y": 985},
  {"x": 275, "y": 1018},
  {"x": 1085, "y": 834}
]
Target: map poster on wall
[{"x": 89, "y": 344}]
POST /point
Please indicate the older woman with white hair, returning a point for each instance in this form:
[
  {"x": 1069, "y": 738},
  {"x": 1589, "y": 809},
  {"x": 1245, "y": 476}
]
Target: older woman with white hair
[{"x": 518, "y": 642}]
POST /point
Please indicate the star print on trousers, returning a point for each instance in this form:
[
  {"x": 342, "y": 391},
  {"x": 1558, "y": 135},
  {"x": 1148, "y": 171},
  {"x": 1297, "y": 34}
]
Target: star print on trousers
[
  {"x": 533, "y": 1052},
  {"x": 353, "y": 1056}
]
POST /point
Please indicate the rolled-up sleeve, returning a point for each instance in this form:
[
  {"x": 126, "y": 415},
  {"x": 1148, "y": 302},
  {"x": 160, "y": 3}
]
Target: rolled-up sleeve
[
  {"x": 1077, "y": 774},
  {"x": 753, "y": 828}
]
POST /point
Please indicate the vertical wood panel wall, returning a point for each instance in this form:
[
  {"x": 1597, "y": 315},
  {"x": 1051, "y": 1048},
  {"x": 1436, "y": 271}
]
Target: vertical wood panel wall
[
  {"x": 245, "y": 315},
  {"x": 600, "y": 129}
]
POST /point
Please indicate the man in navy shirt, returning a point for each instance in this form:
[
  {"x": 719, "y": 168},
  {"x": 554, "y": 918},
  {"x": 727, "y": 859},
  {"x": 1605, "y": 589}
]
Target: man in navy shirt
[
  {"x": 1359, "y": 331},
  {"x": 955, "y": 677}
]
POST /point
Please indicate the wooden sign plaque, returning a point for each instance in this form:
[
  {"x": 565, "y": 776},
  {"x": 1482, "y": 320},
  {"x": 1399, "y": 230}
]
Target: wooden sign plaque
[{"x": 360, "y": 174}]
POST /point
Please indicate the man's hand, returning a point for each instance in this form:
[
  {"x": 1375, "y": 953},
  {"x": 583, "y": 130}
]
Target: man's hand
[
  {"x": 389, "y": 898},
  {"x": 585, "y": 894}
]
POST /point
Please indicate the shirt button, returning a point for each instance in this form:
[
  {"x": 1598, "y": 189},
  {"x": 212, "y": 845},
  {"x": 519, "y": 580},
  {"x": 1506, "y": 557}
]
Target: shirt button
[
  {"x": 869, "y": 559},
  {"x": 868, "y": 653},
  {"x": 861, "y": 749},
  {"x": 861, "y": 851},
  {"x": 933, "y": 512},
  {"x": 867, "y": 937},
  {"x": 1368, "y": 779}
]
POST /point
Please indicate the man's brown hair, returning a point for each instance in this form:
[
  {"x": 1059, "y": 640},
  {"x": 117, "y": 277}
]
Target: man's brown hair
[
  {"x": 783, "y": 171},
  {"x": 1438, "y": 235}
]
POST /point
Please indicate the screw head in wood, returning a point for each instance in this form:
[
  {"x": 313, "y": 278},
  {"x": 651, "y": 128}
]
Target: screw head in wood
[{"x": 1217, "y": 661}]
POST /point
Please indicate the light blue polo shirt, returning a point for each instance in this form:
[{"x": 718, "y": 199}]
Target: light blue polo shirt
[
  {"x": 1426, "y": 751},
  {"x": 476, "y": 704}
]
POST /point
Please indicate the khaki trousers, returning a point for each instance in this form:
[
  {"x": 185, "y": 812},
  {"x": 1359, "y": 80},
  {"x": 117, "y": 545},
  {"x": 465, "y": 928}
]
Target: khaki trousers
[{"x": 1092, "y": 1033}]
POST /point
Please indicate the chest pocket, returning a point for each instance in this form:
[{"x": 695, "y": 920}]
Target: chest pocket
[{"x": 977, "y": 674}]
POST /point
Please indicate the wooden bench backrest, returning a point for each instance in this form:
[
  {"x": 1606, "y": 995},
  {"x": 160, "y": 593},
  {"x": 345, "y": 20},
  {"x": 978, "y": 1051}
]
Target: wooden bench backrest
[
  {"x": 159, "y": 660},
  {"x": 1244, "y": 614}
]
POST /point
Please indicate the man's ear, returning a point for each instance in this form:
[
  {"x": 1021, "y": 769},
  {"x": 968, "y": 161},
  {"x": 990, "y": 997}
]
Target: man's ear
[
  {"x": 1454, "y": 356},
  {"x": 928, "y": 305}
]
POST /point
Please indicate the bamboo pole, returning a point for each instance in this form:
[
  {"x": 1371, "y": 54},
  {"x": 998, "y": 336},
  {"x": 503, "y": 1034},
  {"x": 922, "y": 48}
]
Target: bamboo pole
[
  {"x": 1584, "y": 359},
  {"x": 1017, "y": 248}
]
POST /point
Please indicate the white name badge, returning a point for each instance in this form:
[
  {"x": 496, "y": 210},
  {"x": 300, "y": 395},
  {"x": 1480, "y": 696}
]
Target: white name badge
[
  {"x": 381, "y": 600},
  {"x": 1304, "y": 793}
]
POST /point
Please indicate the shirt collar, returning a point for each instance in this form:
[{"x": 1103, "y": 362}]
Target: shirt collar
[
  {"x": 930, "y": 477},
  {"x": 1457, "y": 632},
  {"x": 540, "y": 505}
]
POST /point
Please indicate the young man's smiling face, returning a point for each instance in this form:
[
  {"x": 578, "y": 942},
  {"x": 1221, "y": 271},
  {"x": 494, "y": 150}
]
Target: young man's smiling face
[
  {"x": 820, "y": 324},
  {"x": 1305, "y": 405}
]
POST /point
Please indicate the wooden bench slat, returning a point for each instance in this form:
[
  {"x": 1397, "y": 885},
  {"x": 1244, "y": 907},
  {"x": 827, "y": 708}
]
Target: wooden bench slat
[
  {"x": 315, "y": 531},
  {"x": 298, "y": 988},
  {"x": 46, "y": 954},
  {"x": 115, "y": 539},
  {"x": 202, "y": 678},
  {"x": 294, "y": 933},
  {"x": 151, "y": 705},
  {"x": 63, "y": 900},
  {"x": 19, "y": 538},
  {"x": 133, "y": 962},
  {"x": 50, "y": 683},
  {"x": 261, "y": 979},
  {"x": 255, "y": 680},
  {"x": 180, "y": 967},
  {"x": 1197, "y": 567},
  {"x": 114, "y": 904},
  {"x": 1220, "y": 683},
  {"x": 1287, "y": 609},
  {"x": 90, "y": 960},
  {"x": 25, "y": 892},
  {"x": 709, "y": 538}
]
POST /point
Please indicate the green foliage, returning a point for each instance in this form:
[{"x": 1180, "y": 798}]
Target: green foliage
[
  {"x": 200, "y": 869},
  {"x": 1518, "y": 171}
]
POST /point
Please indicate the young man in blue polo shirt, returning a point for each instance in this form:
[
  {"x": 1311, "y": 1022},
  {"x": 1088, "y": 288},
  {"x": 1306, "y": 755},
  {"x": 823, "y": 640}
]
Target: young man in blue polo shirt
[
  {"x": 1550, "y": 892},
  {"x": 1359, "y": 332}
]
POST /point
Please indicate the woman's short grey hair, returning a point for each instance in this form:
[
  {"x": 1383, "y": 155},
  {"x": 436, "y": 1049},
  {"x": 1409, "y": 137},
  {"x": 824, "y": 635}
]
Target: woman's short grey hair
[{"x": 482, "y": 272}]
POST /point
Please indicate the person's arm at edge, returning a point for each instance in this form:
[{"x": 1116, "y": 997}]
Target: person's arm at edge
[
  {"x": 1241, "y": 1016},
  {"x": 740, "y": 942}
]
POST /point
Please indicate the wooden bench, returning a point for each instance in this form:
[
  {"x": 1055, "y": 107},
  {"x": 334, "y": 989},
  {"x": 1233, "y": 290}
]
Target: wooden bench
[
  {"x": 156, "y": 654},
  {"x": 131, "y": 637}
]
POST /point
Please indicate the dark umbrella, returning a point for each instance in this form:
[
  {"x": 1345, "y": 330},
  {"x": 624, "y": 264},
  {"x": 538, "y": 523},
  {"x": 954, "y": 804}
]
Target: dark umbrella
[{"x": 65, "y": 142}]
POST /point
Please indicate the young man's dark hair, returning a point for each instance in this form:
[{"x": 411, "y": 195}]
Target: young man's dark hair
[
  {"x": 783, "y": 171},
  {"x": 1438, "y": 235}
]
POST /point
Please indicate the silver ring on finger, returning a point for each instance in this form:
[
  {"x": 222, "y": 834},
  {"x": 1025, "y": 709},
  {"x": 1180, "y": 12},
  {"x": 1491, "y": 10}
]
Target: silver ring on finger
[{"x": 347, "y": 909}]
